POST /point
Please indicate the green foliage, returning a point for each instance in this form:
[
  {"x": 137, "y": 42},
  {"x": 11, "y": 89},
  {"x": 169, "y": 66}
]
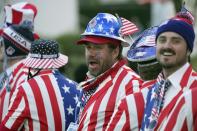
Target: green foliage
[
  {"x": 194, "y": 63},
  {"x": 74, "y": 52}
]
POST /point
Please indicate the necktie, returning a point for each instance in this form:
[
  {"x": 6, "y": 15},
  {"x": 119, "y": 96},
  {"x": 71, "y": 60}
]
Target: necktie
[{"x": 154, "y": 104}]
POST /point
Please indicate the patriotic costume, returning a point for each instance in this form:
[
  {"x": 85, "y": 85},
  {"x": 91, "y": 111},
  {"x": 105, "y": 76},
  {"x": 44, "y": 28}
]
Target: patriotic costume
[
  {"x": 169, "y": 103},
  {"x": 47, "y": 101},
  {"x": 17, "y": 76},
  {"x": 102, "y": 93},
  {"x": 17, "y": 41},
  {"x": 111, "y": 87},
  {"x": 178, "y": 111},
  {"x": 143, "y": 53}
]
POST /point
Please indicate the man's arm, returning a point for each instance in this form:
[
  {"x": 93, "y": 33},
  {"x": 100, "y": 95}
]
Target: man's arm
[{"x": 16, "y": 112}]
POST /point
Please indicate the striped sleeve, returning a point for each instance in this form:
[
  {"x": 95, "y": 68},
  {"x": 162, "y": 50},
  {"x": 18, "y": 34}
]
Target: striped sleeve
[
  {"x": 17, "y": 111},
  {"x": 129, "y": 113}
]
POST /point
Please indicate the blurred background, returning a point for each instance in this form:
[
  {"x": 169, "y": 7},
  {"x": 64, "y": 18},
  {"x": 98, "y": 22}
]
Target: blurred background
[{"x": 65, "y": 20}]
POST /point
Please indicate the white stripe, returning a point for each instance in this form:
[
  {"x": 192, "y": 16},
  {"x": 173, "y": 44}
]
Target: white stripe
[
  {"x": 103, "y": 105},
  {"x": 28, "y": 15},
  {"x": 60, "y": 101},
  {"x": 47, "y": 102},
  {"x": 15, "y": 115},
  {"x": 133, "y": 117},
  {"x": 5, "y": 104},
  {"x": 86, "y": 121},
  {"x": 8, "y": 11},
  {"x": 105, "y": 100},
  {"x": 32, "y": 106},
  {"x": 43, "y": 63},
  {"x": 122, "y": 121},
  {"x": 188, "y": 106}
]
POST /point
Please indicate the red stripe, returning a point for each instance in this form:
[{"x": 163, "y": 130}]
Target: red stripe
[
  {"x": 54, "y": 103},
  {"x": 19, "y": 66},
  {"x": 81, "y": 125},
  {"x": 194, "y": 84},
  {"x": 184, "y": 126},
  {"x": 112, "y": 99},
  {"x": 2, "y": 100},
  {"x": 4, "y": 128},
  {"x": 118, "y": 115},
  {"x": 125, "y": 107},
  {"x": 24, "y": 113},
  {"x": 32, "y": 7},
  {"x": 128, "y": 88},
  {"x": 186, "y": 76},
  {"x": 140, "y": 104},
  {"x": 39, "y": 103},
  {"x": 168, "y": 108},
  {"x": 15, "y": 83},
  {"x": 16, "y": 16},
  {"x": 30, "y": 121},
  {"x": 174, "y": 117},
  {"x": 194, "y": 108},
  {"x": 194, "y": 73},
  {"x": 93, "y": 117},
  {"x": 12, "y": 110},
  {"x": 94, "y": 98}
]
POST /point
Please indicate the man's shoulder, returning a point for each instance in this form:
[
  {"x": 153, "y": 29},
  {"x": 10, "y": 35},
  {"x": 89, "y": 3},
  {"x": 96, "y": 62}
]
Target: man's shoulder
[{"x": 129, "y": 71}]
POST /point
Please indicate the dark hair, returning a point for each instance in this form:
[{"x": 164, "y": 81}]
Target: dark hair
[{"x": 113, "y": 46}]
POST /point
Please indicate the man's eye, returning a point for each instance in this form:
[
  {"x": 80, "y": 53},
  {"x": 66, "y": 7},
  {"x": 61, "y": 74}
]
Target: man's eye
[{"x": 161, "y": 40}]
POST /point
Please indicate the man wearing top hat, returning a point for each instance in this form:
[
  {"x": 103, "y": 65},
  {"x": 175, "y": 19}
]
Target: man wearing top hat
[{"x": 48, "y": 100}]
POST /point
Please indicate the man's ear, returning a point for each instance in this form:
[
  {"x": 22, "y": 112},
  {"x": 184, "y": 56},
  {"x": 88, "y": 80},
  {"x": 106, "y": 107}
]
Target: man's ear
[
  {"x": 116, "y": 52},
  {"x": 188, "y": 52}
]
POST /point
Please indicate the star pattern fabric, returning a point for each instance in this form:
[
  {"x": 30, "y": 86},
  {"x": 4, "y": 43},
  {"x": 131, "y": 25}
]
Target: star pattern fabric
[
  {"x": 44, "y": 47},
  {"x": 44, "y": 54},
  {"x": 70, "y": 97},
  {"x": 103, "y": 24},
  {"x": 155, "y": 102}
]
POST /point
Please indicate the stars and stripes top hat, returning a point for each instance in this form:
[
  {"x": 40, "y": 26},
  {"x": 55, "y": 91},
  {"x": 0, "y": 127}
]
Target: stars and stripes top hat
[
  {"x": 17, "y": 40},
  {"x": 20, "y": 12},
  {"x": 103, "y": 28},
  {"x": 44, "y": 54},
  {"x": 144, "y": 47}
]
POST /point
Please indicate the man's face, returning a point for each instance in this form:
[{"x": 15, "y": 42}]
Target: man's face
[
  {"x": 172, "y": 50},
  {"x": 99, "y": 58}
]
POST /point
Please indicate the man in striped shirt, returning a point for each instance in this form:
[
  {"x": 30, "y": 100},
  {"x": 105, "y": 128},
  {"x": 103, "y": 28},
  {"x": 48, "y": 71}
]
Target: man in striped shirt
[
  {"x": 108, "y": 78},
  {"x": 169, "y": 102},
  {"x": 14, "y": 50},
  {"x": 48, "y": 100},
  {"x": 17, "y": 30}
]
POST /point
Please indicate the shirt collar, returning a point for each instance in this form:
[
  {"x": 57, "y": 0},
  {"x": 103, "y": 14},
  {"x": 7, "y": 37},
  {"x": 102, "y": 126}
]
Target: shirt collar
[{"x": 176, "y": 77}]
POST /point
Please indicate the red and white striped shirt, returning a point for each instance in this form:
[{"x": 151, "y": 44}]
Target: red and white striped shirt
[
  {"x": 37, "y": 105},
  {"x": 18, "y": 76},
  {"x": 178, "y": 113},
  {"x": 112, "y": 86}
]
